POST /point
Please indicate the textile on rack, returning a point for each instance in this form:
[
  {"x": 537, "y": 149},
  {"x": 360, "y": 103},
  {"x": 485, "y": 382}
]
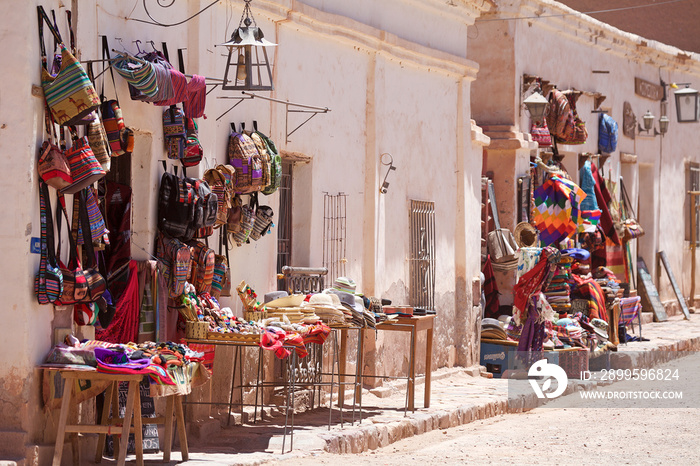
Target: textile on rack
[
  {"x": 148, "y": 320},
  {"x": 118, "y": 220},
  {"x": 125, "y": 325},
  {"x": 193, "y": 105},
  {"x": 556, "y": 213},
  {"x": 533, "y": 281},
  {"x": 527, "y": 258},
  {"x": 603, "y": 198},
  {"x": 629, "y": 308},
  {"x": 590, "y": 290},
  {"x": 533, "y": 332},
  {"x": 588, "y": 187},
  {"x": 491, "y": 308},
  {"x": 615, "y": 259}
]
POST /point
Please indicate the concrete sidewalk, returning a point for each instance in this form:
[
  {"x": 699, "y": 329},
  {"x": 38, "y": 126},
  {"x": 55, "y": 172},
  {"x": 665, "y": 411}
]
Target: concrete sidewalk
[{"x": 459, "y": 396}]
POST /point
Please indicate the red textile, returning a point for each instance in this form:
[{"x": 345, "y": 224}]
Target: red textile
[
  {"x": 125, "y": 325},
  {"x": 492, "y": 305},
  {"x": 603, "y": 197},
  {"x": 532, "y": 282}
]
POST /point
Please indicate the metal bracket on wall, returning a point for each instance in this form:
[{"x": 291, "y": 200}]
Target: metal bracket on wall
[{"x": 296, "y": 108}]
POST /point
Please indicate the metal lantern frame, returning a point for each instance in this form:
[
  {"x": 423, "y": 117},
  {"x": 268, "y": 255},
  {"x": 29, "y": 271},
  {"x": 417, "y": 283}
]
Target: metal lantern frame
[
  {"x": 685, "y": 98},
  {"x": 536, "y": 105},
  {"x": 248, "y": 49}
]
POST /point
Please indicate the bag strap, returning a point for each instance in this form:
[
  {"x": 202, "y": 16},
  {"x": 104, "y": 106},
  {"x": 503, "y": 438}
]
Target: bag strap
[
  {"x": 73, "y": 258},
  {"x": 254, "y": 202},
  {"x": 43, "y": 198},
  {"x": 47, "y": 225},
  {"x": 43, "y": 18},
  {"x": 626, "y": 200},
  {"x": 91, "y": 260},
  {"x": 106, "y": 54},
  {"x": 70, "y": 31}
]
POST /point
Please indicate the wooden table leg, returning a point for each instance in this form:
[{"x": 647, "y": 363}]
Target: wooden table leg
[
  {"x": 428, "y": 365},
  {"x": 168, "y": 441},
  {"x": 104, "y": 420},
  {"x": 182, "y": 432},
  {"x": 412, "y": 372},
  {"x": 62, "y": 419},
  {"x": 115, "y": 404},
  {"x": 126, "y": 426},
  {"x": 342, "y": 367},
  {"x": 138, "y": 427}
]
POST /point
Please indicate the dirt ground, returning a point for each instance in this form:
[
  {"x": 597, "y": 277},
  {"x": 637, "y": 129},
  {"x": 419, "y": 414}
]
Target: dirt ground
[{"x": 607, "y": 434}]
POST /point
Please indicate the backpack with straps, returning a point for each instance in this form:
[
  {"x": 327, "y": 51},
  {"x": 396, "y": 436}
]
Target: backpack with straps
[
  {"x": 177, "y": 260},
  {"x": 220, "y": 182},
  {"x": 174, "y": 132},
  {"x": 607, "y": 134},
  {"x": 203, "y": 261},
  {"x": 245, "y": 159},
  {"x": 192, "y": 152},
  {"x": 275, "y": 165},
  {"x": 177, "y": 200}
]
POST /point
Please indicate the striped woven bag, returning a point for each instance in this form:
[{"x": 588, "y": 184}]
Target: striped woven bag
[
  {"x": 84, "y": 167},
  {"x": 48, "y": 283},
  {"x": 203, "y": 262},
  {"x": 70, "y": 94},
  {"x": 177, "y": 260},
  {"x": 138, "y": 73}
]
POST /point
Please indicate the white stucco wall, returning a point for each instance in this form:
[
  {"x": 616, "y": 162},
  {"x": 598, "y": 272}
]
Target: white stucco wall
[{"x": 396, "y": 80}]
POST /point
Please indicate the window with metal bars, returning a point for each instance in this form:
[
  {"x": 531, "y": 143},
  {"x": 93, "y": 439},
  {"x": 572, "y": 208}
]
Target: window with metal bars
[
  {"x": 284, "y": 222},
  {"x": 693, "y": 184},
  {"x": 334, "y": 235},
  {"x": 422, "y": 258}
]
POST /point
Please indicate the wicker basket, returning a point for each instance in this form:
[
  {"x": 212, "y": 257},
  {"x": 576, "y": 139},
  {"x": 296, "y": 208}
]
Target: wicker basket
[
  {"x": 196, "y": 330},
  {"x": 242, "y": 337},
  {"x": 251, "y": 315}
]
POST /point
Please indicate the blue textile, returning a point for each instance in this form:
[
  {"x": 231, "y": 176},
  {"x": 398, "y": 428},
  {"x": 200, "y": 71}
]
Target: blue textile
[{"x": 587, "y": 183}]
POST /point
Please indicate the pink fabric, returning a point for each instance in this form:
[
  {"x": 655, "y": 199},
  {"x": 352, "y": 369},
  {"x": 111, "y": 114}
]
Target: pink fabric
[
  {"x": 196, "y": 97},
  {"x": 180, "y": 89},
  {"x": 125, "y": 325}
]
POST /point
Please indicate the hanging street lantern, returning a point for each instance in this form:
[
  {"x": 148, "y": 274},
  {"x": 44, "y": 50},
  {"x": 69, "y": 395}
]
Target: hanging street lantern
[
  {"x": 663, "y": 124},
  {"x": 536, "y": 105},
  {"x": 686, "y": 104},
  {"x": 648, "y": 119},
  {"x": 247, "y": 66}
]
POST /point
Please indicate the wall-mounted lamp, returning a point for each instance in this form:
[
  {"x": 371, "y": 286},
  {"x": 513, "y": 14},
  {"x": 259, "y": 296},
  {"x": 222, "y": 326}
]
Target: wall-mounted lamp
[
  {"x": 686, "y": 103},
  {"x": 536, "y": 105},
  {"x": 247, "y": 55},
  {"x": 648, "y": 124},
  {"x": 385, "y": 184}
]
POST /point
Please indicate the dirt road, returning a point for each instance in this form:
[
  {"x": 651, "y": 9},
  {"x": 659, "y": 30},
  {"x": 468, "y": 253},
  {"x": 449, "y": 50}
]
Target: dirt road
[{"x": 557, "y": 435}]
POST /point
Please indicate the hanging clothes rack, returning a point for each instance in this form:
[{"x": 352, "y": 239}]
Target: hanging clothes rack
[{"x": 297, "y": 108}]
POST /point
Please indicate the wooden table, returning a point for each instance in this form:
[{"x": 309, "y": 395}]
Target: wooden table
[
  {"x": 131, "y": 422},
  {"x": 414, "y": 325}
]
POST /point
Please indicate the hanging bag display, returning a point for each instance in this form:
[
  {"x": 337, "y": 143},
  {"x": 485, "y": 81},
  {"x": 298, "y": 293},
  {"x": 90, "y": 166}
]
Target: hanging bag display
[
  {"x": 275, "y": 163},
  {"x": 84, "y": 167},
  {"x": 540, "y": 134},
  {"x": 74, "y": 280},
  {"x": 48, "y": 283},
  {"x": 203, "y": 262},
  {"x": 607, "y": 134},
  {"x": 221, "y": 270},
  {"x": 500, "y": 242},
  {"x": 53, "y": 166},
  {"x": 245, "y": 159},
  {"x": 97, "y": 138},
  {"x": 119, "y": 137},
  {"x": 138, "y": 73},
  {"x": 69, "y": 94},
  {"x": 246, "y": 216},
  {"x": 220, "y": 186},
  {"x": 630, "y": 227},
  {"x": 174, "y": 132},
  {"x": 192, "y": 153},
  {"x": 263, "y": 220},
  {"x": 177, "y": 261}
]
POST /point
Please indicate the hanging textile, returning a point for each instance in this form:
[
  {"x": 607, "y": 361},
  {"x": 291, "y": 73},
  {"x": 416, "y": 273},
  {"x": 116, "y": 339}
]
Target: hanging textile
[
  {"x": 533, "y": 282},
  {"x": 118, "y": 219},
  {"x": 603, "y": 198},
  {"x": 147, "y": 298},
  {"x": 588, "y": 187},
  {"x": 527, "y": 259},
  {"x": 590, "y": 290},
  {"x": 491, "y": 308},
  {"x": 125, "y": 325},
  {"x": 533, "y": 333},
  {"x": 556, "y": 213}
]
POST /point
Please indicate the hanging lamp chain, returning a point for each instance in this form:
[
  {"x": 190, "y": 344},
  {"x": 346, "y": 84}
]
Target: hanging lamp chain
[{"x": 247, "y": 16}]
